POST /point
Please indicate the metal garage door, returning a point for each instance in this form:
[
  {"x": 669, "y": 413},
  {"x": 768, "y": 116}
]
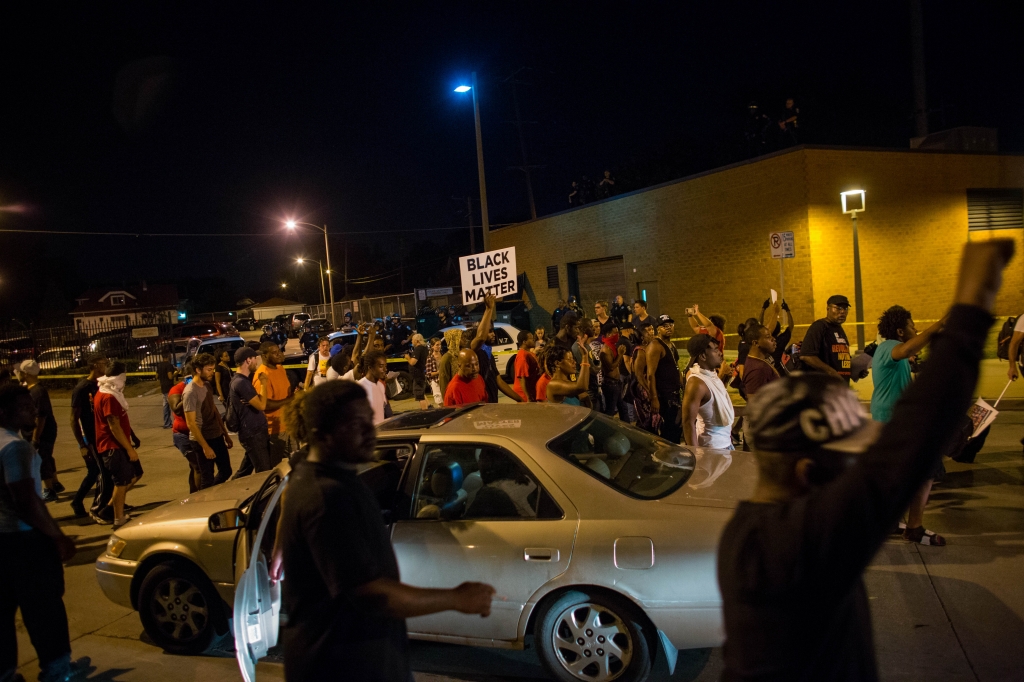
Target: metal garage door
[{"x": 600, "y": 280}]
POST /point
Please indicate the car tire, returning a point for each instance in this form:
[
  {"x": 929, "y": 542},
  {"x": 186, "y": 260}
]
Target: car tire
[
  {"x": 573, "y": 633},
  {"x": 179, "y": 607}
]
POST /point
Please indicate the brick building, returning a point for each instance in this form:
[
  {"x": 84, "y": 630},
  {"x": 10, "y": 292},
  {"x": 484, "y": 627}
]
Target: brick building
[{"x": 704, "y": 238}]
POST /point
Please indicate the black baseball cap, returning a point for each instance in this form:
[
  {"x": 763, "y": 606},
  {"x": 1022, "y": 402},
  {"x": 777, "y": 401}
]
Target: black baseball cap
[
  {"x": 243, "y": 354},
  {"x": 838, "y": 300},
  {"x": 626, "y": 324},
  {"x": 807, "y": 411},
  {"x": 665, "y": 319}
]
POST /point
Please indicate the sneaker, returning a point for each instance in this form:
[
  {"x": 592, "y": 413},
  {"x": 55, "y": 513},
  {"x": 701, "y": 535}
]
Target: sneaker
[
  {"x": 99, "y": 519},
  {"x": 121, "y": 522},
  {"x": 58, "y": 487},
  {"x": 79, "y": 669},
  {"x": 79, "y": 509},
  {"x": 49, "y": 495}
]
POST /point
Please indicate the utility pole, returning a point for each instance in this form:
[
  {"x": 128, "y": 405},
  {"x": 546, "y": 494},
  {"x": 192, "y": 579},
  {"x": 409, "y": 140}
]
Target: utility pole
[
  {"x": 917, "y": 63},
  {"x": 518, "y": 123},
  {"x": 469, "y": 222}
]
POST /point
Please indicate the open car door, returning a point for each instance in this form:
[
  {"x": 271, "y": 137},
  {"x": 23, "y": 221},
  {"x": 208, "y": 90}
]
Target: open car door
[{"x": 257, "y": 602}]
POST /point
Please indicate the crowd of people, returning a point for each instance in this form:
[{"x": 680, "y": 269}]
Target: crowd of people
[
  {"x": 585, "y": 190},
  {"x": 794, "y": 602}
]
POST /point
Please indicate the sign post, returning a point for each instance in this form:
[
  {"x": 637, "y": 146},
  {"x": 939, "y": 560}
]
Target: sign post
[
  {"x": 493, "y": 272},
  {"x": 782, "y": 247}
]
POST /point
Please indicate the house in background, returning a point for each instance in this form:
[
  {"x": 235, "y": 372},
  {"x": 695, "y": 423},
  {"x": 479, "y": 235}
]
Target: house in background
[
  {"x": 126, "y": 307},
  {"x": 273, "y": 307}
]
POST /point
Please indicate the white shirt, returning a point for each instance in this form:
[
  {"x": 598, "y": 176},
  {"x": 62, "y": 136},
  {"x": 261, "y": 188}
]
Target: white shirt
[
  {"x": 715, "y": 417},
  {"x": 375, "y": 394},
  {"x": 1019, "y": 327},
  {"x": 319, "y": 367}
]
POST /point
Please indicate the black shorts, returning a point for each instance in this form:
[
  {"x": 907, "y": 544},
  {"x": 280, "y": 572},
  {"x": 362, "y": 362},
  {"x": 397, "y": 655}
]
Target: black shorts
[
  {"x": 122, "y": 469},
  {"x": 419, "y": 388}
]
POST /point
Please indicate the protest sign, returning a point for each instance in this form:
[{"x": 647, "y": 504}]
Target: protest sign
[{"x": 493, "y": 272}]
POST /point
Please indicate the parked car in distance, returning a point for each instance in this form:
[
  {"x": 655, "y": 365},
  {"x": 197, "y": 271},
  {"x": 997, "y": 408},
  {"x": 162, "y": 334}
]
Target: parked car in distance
[
  {"x": 247, "y": 324},
  {"x": 599, "y": 537},
  {"x": 319, "y": 325},
  {"x": 506, "y": 337},
  {"x": 64, "y": 357},
  {"x": 227, "y": 327},
  {"x": 15, "y": 351},
  {"x": 200, "y": 330},
  {"x": 214, "y": 345}
]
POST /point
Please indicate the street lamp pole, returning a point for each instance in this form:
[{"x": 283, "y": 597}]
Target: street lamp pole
[
  {"x": 853, "y": 203},
  {"x": 290, "y": 224}
]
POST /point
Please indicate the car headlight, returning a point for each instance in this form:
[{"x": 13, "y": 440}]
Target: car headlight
[{"x": 115, "y": 546}]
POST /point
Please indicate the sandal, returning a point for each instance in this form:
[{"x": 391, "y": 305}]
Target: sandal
[{"x": 924, "y": 537}]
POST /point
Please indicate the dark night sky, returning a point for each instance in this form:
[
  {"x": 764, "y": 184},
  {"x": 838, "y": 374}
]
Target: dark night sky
[{"x": 147, "y": 117}]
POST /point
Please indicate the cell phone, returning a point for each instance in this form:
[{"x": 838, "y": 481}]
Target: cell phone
[{"x": 690, "y": 312}]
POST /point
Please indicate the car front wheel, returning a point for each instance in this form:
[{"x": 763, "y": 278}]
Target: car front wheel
[
  {"x": 594, "y": 637},
  {"x": 176, "y": 606}
]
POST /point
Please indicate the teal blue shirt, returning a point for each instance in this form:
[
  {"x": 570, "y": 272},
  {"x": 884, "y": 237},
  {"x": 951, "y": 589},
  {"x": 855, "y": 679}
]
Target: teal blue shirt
[{"x": 891, "y": 378}]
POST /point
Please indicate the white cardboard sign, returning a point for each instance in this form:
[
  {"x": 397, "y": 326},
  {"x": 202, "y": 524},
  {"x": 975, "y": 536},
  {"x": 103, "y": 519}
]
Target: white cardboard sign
[{"x": 493, "y": 272}]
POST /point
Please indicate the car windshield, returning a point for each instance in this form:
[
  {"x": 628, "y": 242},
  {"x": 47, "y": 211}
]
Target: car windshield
[
  {"x": 628, "y": 459},
  {"x": 415, "y": 419}
]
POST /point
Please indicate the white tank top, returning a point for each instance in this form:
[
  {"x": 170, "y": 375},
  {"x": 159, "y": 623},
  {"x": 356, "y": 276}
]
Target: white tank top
[{"x": 715, "y": 417}]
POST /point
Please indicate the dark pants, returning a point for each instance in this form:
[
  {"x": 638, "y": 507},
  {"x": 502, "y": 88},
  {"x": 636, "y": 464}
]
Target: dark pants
[
  {"x": 32, "y": 578},
  {"x": 613, "y": 399},
  {"x": 205, "y": 466},
  {"x": 182, "y": 442},
  {"x": 48, "y": 466},
  {"x": 92, "y": 474},
  {"x": 280, "y": 448},
  {"x": 257, "y": 454},
  {"x": 671, "y": 417},
  {"x": 168, "y": 418},
  {"x": 104, "y": 490}
]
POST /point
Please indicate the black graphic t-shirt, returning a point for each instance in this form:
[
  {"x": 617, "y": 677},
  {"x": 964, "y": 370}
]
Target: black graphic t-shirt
[{"x": 827, "y": 341}]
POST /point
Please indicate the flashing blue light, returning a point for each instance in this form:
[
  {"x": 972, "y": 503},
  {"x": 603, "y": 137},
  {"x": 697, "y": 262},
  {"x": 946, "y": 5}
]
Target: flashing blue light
[
  {"x": 181, "y": 316},
  {"x": 463, "y": 88}
]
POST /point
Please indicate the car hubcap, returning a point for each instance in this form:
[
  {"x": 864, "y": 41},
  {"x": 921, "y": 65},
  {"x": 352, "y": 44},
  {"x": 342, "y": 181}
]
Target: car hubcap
[
  {"x": 180, "y": 609},
  {"x": 592, "y": 643}
]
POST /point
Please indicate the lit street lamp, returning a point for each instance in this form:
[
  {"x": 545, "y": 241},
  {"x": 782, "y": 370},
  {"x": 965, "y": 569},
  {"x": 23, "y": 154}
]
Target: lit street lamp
[
  {"x": 291, "y": 225},
  {"x": 323, "y": 292},
  {"x": 479, "y": 161},
  {"x": 853, "y": 203}
]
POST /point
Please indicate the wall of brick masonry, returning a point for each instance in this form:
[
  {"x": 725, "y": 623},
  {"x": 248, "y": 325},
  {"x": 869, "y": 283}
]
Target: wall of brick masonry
[{"x": 704, "y": 239}]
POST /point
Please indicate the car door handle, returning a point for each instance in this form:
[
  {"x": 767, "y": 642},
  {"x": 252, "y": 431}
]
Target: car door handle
[{"x": 540, "y": 554}]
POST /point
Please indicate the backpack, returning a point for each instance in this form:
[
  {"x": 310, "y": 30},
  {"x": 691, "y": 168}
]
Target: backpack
[
  {"x": 1003, "y": 340},
  {"x": 231, "y": 419},
  {"x": 510, "y": 371}
]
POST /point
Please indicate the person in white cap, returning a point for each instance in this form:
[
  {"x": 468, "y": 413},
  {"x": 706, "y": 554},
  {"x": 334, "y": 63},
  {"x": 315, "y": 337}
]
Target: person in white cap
[{"x": 44, "y": 435}]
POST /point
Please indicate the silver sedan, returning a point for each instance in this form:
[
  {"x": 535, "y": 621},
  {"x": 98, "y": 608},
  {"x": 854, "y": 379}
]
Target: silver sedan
[{"x": 599, "y": 538}]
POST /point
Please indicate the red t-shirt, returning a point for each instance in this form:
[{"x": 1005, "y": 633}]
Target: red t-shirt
[
  {"x": 542, "y": 387},
  {"x": 719, "y": 336},
  {"x": 105, "y": 406},
  {"x": 180, "y": 425},
  {"x": 528, "y": 368},
  {"x": 462, "y": 392}
]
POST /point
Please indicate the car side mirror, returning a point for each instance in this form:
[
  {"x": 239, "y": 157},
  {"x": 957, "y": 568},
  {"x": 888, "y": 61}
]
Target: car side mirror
[{"x": 229, "y": 519}]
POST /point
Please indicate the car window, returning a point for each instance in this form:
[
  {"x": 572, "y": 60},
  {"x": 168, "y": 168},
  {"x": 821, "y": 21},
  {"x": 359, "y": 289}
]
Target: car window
[
  {"x": 501, "y": 337},
  {"x": 467, "y": 481},
  {"x": 215, "y": 349},
  {"x": 628, "y": 459},
  {"x": 415, "y": 419}
]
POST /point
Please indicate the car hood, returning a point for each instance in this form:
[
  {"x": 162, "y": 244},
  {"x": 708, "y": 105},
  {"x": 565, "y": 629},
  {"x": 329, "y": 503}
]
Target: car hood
[
  {"x": 198, "y": 506},
  {"x": 721, "y": 478}
]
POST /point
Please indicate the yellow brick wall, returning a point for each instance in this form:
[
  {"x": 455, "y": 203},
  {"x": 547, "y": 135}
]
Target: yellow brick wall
[{"x": 705, "y": 238}]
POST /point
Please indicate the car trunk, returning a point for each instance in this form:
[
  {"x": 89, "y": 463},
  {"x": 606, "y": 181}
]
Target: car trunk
[{"x": 721, "y": 478}]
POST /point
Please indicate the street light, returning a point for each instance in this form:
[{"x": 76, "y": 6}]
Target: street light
[
  {"x": 479, "y": 160},
  {"x": 284, "y": 285},
  {"x": 291, "y": 225},
  {"x": 323, "y": 292},
  {"x": 853, "y": 203}
]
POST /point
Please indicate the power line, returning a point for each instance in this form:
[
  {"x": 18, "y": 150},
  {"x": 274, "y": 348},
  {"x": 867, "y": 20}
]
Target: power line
[{"x": 232, "y": 234}]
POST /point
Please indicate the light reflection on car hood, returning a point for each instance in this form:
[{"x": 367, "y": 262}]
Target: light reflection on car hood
[
  {"x": 198, "y": 506},
  {"x": 721, "y": 478}
]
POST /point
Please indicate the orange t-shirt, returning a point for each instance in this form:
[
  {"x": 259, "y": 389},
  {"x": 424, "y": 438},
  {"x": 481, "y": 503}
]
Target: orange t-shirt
[
  {"x": 277, "y": 390},
  {"x": 542, "y": 388}
]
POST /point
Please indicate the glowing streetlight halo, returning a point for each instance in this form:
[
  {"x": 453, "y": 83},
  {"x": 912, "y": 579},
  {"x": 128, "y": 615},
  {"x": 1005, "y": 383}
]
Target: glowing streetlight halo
[{"x": 463, "y": 88}]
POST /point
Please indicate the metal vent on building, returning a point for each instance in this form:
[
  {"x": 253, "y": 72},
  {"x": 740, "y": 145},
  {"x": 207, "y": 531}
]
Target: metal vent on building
[
  {"x": 995, "y": 209},
  {"x": 552, "y": 277}
]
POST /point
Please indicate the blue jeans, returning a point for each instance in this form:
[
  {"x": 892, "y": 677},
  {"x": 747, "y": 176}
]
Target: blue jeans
[{"x": 168, "y": 423}]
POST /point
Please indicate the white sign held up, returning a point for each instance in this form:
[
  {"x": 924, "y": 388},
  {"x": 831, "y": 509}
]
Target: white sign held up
[{"x": 493, "y": 272}]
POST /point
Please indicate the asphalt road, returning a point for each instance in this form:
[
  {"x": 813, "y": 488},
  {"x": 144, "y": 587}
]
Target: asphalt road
[{"x": 953, "y": 613}]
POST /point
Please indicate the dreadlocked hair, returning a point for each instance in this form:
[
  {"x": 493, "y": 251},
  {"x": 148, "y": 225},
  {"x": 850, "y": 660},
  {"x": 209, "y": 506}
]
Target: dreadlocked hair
[{"x": 294, "y": 423}]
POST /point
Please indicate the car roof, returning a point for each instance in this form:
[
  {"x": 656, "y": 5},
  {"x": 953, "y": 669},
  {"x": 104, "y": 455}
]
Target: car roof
[
  {"x": 220, "y": 339},
  {"x": 530, "y": 424},
  {"x": 495, "y": 324}
]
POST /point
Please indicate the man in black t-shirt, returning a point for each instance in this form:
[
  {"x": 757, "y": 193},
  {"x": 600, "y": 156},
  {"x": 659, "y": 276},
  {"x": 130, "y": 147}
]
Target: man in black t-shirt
[
  {"x": 165, "y": 375},
  {"x": 249, "y": 407},
  {"x": 343, "y": 599},
  {"x": 83, "y": 426},
  {"x": 825, "y": 347},
  {"x": 44, "y": 436},
  {"x": 831, "y": 486}
]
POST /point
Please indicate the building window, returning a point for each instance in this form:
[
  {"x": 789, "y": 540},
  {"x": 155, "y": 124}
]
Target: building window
[
  {"x": 552, "y": 277},
  {"x": 117, "y": 299},
  {"x": 995, "y": 209}
]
